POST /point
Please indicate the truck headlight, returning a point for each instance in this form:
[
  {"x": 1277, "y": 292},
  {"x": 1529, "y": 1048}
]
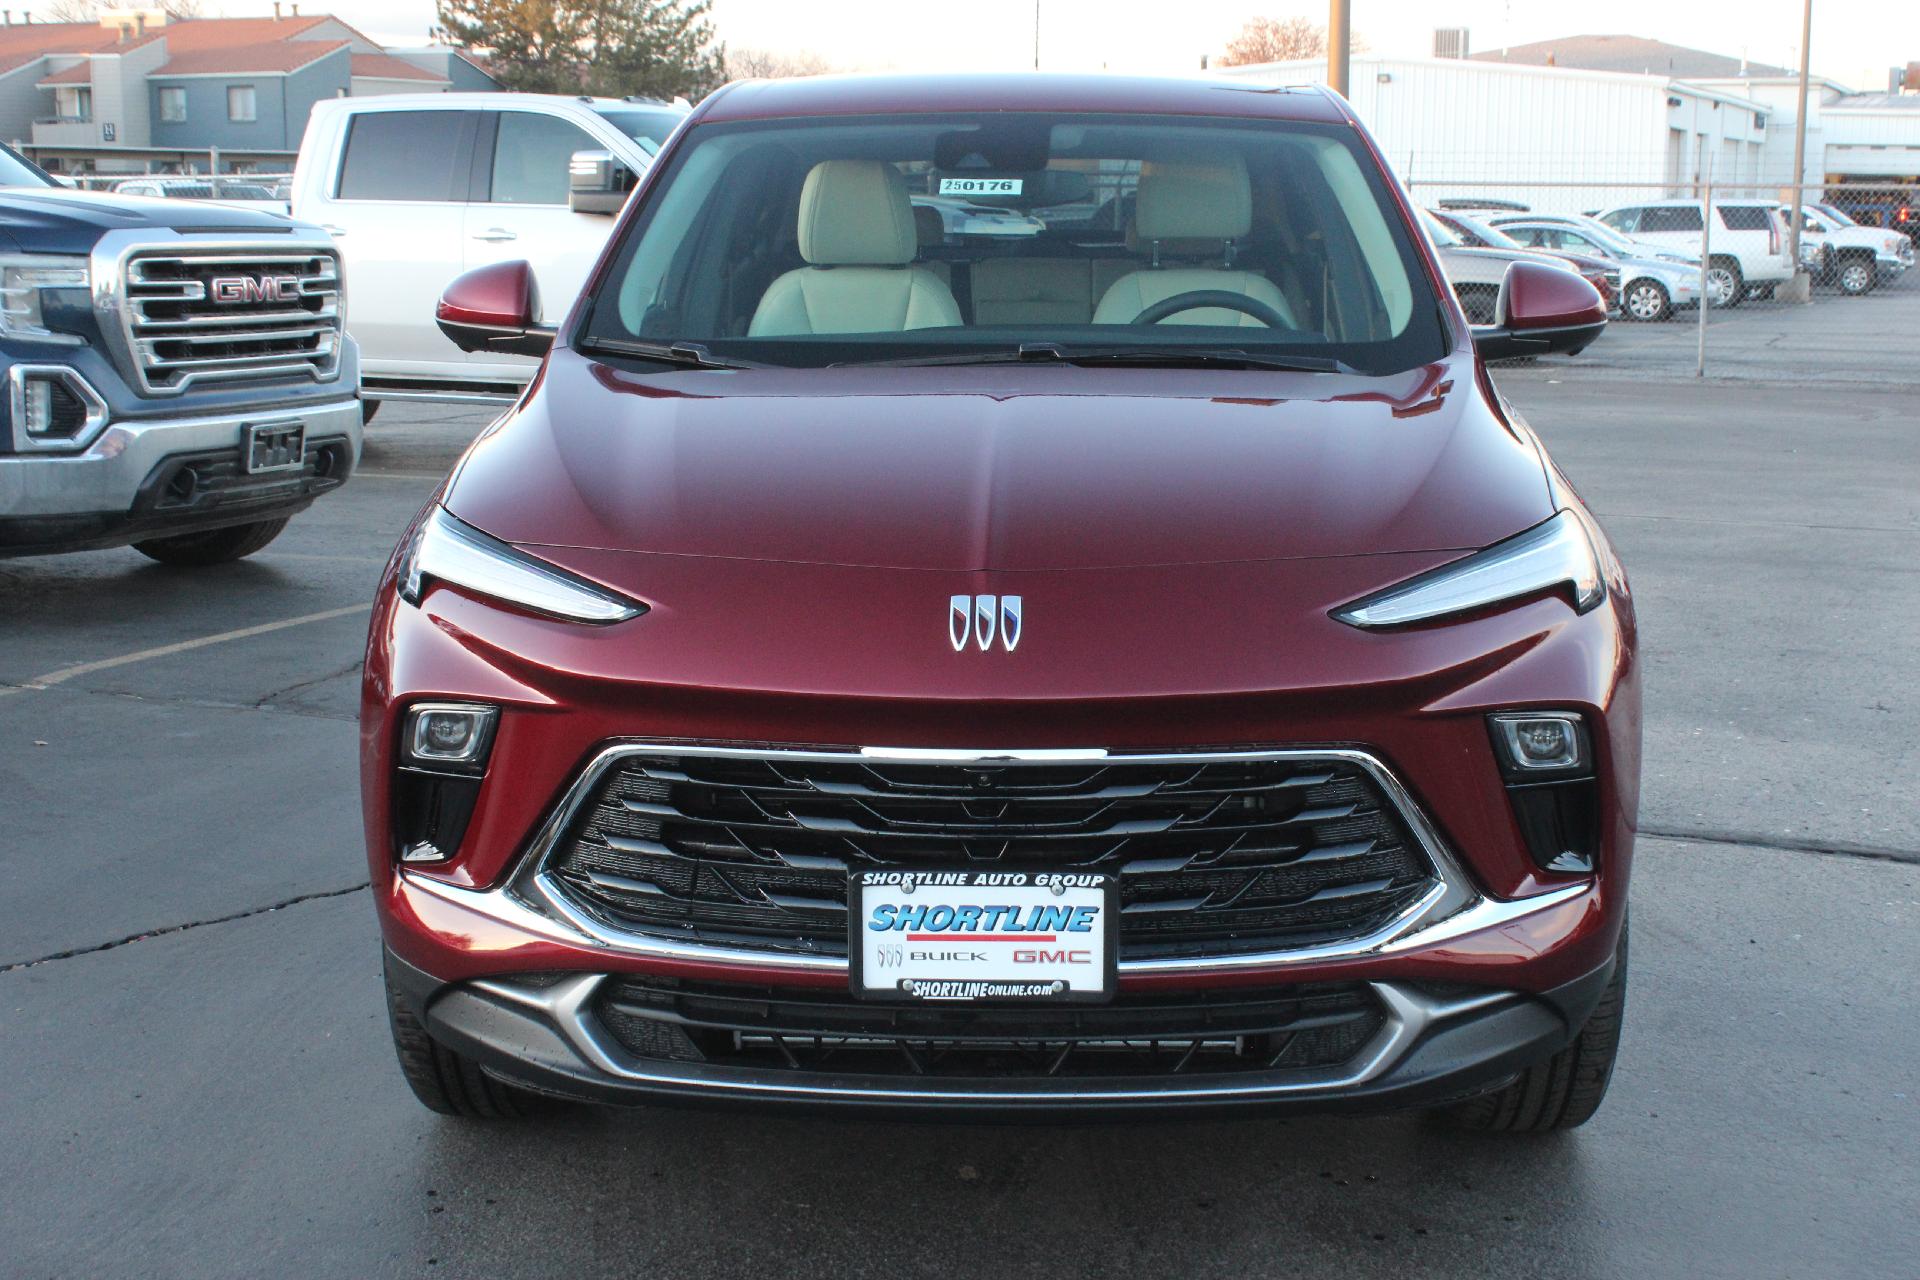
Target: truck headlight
[
  {"x": 24, "y": 283},
  {"x": 1555, "y": 554}
]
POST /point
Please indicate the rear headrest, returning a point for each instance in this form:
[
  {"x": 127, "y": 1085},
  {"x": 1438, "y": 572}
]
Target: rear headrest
[
  {"x": 928, "y": 226},
  {"x": 1205, "y": 198},
  {"x": 855, "y": 213}
]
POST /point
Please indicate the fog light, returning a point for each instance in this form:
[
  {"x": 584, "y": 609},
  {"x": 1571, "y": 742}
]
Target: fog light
[
  {"x": 450, "y": 735},
  {"x": 37, "y": 407},
  {"x": 1541, "y": 743}
]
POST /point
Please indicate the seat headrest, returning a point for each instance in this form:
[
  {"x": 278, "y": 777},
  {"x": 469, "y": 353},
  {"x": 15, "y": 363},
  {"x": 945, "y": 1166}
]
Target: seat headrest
[
  {"x": 1205, "y": 198},
  {"x": 855, "y": 213},
  {"x": 928, "y": 226}
]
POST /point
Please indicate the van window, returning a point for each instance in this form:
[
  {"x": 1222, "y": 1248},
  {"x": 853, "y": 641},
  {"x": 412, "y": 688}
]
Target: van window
[
  {"x": 530, "y": 155},
  {"x": 1685, "y": 217},
  {"x": 404, "y": 155},
  {"x": 1745, "y": 217}
]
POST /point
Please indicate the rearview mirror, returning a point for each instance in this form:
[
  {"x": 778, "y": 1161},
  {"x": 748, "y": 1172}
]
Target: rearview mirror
[
  {"x": 495, "y": 309},
  {"x": 1540, "y": 310},
  {"x": 597, "y": 183}
]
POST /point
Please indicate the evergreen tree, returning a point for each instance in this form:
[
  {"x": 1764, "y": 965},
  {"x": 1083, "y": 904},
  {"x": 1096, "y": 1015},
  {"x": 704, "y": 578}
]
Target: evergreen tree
[{"x": 657, "y": 48}]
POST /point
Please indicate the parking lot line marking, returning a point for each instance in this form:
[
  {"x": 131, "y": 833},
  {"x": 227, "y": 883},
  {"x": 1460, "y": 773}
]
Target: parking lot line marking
[{"x": 64, "y": 674}]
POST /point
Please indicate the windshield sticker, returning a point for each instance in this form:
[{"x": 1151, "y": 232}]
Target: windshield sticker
[{"x": 980, "y": 186}]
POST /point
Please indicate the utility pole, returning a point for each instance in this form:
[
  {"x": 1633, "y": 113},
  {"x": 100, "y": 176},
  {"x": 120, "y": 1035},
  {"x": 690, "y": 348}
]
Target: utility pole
[
  {"x": 1801, "y": 289},
  {"x": 1340, "y": 43},
  {"x": 1036, "y": 34}
]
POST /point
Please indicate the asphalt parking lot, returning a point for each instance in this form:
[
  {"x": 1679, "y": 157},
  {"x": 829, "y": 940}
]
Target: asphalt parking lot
[{"x": 199, "y": 1079}]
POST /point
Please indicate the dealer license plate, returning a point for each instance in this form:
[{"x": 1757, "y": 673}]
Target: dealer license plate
[
  {"x": 1001, "y": 935},
  {"x": 276, "y": 446}
]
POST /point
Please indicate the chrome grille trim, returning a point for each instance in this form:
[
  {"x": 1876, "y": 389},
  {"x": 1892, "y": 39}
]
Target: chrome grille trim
[
  {"x": 151, "y": 296},
  {"x": 532, "y": 901}
]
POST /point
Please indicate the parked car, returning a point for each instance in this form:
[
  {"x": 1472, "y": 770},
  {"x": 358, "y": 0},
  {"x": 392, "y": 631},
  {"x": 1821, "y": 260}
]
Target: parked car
[
  {"x": 1476, "y": 274},
  {"x": 1597, "y": 271},
  {"x": 1650, "y": 289},
  {"x": 417, "y": 188},
  {"x": 708, "y": 757},
  {"x": 1892, "y": 209},
  {"x": 1599, "y": 233},
  {"x": 176, "y": 374},
  {"x": 1747, "y": 250},
  {"x": 223, "y": 190},
  {"x": 1857, "y": 257}
]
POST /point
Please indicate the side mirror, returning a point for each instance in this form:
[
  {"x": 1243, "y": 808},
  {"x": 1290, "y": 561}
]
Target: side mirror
[
  {"x": 495, "y": 309},
  {"x": 597, "y": 183},
  {"x": 1541, "y": 309}
]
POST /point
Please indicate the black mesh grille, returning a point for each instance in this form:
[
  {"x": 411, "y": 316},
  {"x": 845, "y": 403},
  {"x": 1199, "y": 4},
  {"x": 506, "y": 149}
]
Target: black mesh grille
[
  {"x": 1214, "y": 856},
  {"x": 1296, "y": 1028}
]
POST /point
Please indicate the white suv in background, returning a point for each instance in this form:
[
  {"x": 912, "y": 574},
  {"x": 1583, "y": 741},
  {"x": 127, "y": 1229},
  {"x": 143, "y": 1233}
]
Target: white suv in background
[
  {"x": 1747, "y": 251},
  {"x": 420, "y": 188}
]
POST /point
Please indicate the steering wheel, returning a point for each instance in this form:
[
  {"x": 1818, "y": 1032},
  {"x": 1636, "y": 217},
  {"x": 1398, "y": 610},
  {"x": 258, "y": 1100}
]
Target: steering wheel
[{"x": 1195, "y": 299}]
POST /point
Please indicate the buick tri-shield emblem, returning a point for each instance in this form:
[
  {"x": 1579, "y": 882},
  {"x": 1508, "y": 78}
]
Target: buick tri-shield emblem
[{"x": 983, "y": 619}]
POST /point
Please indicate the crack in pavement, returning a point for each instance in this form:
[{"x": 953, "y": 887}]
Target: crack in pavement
[
  {"x": 1753, "y": 839},
  {"x": 182, "y": 928},
  {"x": 260, "y": 704}
]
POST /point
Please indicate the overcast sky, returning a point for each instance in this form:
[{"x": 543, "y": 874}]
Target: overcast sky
[{"x": 1854, "y": 41}]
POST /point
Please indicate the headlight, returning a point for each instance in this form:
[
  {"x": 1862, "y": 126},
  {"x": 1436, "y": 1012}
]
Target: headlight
[
  {"x": 1553, "y": 554},
  {"x": 24, "y": 280},
  {"x": 447, "y": 550}
]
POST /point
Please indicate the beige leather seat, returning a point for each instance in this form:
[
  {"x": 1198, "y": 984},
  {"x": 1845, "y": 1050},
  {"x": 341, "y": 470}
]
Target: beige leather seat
[
  {"x": 1207, "y": 199},
  {"x": 856, "y": 232}
]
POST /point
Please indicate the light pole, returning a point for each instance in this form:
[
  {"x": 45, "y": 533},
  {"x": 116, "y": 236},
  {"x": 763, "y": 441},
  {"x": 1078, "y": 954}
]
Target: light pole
[
  {"x": 1800, "y": 292},
  {"x": 1339, "y": 43},
  {"x": 1036, "y": 34}
]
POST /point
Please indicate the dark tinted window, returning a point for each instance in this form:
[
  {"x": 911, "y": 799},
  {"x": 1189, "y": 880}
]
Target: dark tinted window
[
  {"x": 530, "y": 156},
  {"x": 1744, "y": 217},
  {"x": 404, "y": 155},
  {"x": 1670, "y": 218}
]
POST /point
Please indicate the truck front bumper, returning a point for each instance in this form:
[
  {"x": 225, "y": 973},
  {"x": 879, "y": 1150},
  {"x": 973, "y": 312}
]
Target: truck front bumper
[{"x": 154, "y": 477}]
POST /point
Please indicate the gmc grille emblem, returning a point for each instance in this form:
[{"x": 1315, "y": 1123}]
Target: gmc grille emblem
[
  {"x": 233, "y": 290},
  {"x": 981, "y": 619}
]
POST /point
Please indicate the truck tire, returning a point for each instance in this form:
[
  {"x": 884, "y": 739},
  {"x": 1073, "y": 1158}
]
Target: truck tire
[
  {"x": 1726, "y": 287},
  {"x": 444, "y": 1081},
  {"x": 1856, "y": 274},
  {"x": 1646, "y": 300},
  {"x": 1564, "y": 1091},
  {"x": 214, "y": 546}
]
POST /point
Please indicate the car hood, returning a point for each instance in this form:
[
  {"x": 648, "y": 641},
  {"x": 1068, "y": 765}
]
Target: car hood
[
  {"x": 1003, "y": 468},
  {"x": 56, "y": 220}
]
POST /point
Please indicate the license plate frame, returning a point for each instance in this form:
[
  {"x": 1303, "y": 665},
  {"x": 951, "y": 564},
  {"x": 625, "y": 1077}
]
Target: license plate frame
[
  {"x": 1061, "y": 977},
  {"x": 270, "y": 447}
]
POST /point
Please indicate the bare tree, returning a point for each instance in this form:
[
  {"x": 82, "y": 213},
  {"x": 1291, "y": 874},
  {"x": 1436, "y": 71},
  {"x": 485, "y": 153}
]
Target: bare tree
[
  {"x": 772, "y": 64},
  {"x": 1275, "y": 40},
  {"x": 89, "y": 10}
]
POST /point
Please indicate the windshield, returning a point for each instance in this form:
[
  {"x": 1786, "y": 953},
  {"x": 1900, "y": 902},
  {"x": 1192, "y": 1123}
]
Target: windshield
[
  {"x": 846, "y": 239},
  {"x": 647, "y": 126},
  {"x": 1485, "y": 234},
  {"x": 17, "y": 171},
  {"x": 1838, "y": 215}
]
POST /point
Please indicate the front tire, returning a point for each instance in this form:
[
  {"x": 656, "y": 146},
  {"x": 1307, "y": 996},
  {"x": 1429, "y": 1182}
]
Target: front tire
[
  {"x": 1646, "y": 301},
  {"x": 1564, "y": 1091},
  {"x": 214, "y": 546},
  {"x": 1856, "y": 276},
  {"x": 444, "y": 1081},
  {"x": 1726, "y": 287}
]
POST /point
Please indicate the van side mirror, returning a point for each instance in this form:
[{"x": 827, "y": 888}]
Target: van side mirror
[
  {"x": 1541, "y": 309},
  {"x": 495, "y": 309},
  {"x": 597, "y": 183}
]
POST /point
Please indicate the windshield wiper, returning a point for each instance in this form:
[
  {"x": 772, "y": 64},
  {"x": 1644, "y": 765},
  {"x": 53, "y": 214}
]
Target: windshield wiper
[
  {"x": 1144, "y": 357},
  {"x": 686, "y": 355}
]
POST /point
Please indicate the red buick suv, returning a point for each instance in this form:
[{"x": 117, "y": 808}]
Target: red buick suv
[{"x": 1008, "y": 595}]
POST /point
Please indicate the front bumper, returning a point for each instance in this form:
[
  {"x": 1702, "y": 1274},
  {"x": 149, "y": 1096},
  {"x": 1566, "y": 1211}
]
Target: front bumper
[
  {"x": 1433, "y": 1046},
  {"x": 113, "y": 491}
]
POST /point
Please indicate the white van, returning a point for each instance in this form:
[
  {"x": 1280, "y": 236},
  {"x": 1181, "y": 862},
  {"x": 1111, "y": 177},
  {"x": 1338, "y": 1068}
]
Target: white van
[{"x": 419, "y": 188}]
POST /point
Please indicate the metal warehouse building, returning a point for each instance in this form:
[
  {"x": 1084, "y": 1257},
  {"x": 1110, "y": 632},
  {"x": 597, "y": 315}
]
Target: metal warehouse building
[{"x": 1565, "y": 138}]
